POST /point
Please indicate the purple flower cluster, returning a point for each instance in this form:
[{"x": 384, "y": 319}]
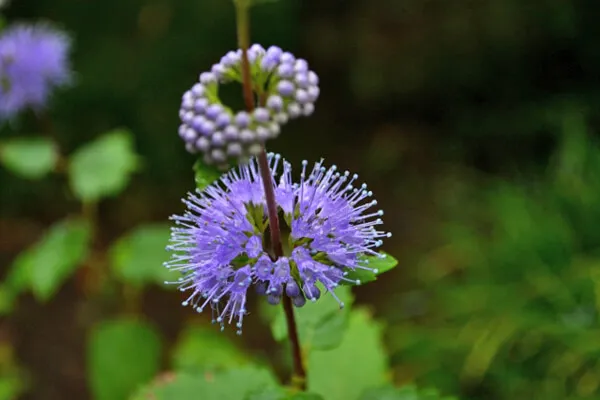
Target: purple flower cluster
[
  {"x": 33, "y": 61},
  {"x": 289, "y": 89},
  {"x": 220, "y": 243}
]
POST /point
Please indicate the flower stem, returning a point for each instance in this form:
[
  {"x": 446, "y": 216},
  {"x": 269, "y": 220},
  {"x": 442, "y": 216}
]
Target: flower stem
[{"x": 243, "y": 32}]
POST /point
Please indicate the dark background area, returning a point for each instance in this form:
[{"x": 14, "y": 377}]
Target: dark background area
[{"x": 435, "y": 103}]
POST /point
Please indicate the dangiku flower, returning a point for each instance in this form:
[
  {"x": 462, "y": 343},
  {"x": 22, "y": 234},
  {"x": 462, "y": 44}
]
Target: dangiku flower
[
  {"x": 222, "y": 247},
  {"x": 33, "y": 61}
]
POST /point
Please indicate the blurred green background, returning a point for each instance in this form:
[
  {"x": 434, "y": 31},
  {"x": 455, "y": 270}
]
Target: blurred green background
[{"x": 474, "y": 122}]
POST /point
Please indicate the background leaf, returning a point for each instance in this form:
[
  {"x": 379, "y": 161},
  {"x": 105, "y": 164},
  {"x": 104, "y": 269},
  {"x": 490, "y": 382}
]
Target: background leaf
[
  {"x": 137, "y": 258},
  {"x": 48, "y": 263},
  {"x": 122, "y": 355},
  {"x": 204, "y": 348},
  {"x": 321, "y": 325},
  {"x": 381, "y": 264},
  {"x": 103, "y": 167},
  {"x": 205, "y": 175},
  {"x": 359, "y": 362},
  {"x": 29, "y": 158},
  {"x": 235, "y": 384}
]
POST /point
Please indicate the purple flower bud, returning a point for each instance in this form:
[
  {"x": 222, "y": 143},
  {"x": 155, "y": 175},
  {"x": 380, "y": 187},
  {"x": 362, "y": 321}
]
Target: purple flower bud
[
  {"x": 292, "y": 289},
  {"x": 302, "y": 96},
  {"x": 312, "y": 291},
  {"x": 274, "y": 52},
  {"x": 257, "y": 48},
  {"x": 261, "y": 114},
  {"x": 273, "y": 299},
  {"x": 231, "y": 133},
  {"x": 242, "y": 119},
  {"x": 202, "y": 143},
  {"x": 236, "y": 150},
  {"x": 313, "y": 79},
  {"x": 190, "y": 148},
  {"x": 285, "y": 88},
  {"x": 200, "y": 105},
  {"x": 285, "y": 70},
  {"x": 281, "y": 118},
  {"x": 301, "y": 79},
  {"x": 275, "y": 102},
  {"x": 189, "y": 135},
  {"x": 198, "y": 90},
  {"x": 187, "y": 117},
  {"x": 268, "y": 64},
  {"x": 247, "y": 136},
  {"x": 313, "y": 93},
  {"x": 223, "y": 120},
  {"x": 294, "y": 110},
  {"x": 181, "y": 113},
  {"x": 262, "y": 133},
  {"x": 197, "y": 122},
  {"x": 287, "y": 57},
  {"x": 308, "y": 109},
  {"x": 219, "y": 70},
  {"x": 187, "y": 103},
  {"x": 207, "y": 127},
  {"x": 218, "y": 139},
  {"x": 208, "y": 78},
  {"x": 230, "y": 59},
  {"x": 213, "y": 111},
  {"x": 301, "y": 65},
  {"x": 299, "y": 301}
]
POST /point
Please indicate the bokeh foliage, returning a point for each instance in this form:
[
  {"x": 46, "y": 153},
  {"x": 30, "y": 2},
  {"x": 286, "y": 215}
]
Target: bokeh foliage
[{"x": 474, "y": 122}]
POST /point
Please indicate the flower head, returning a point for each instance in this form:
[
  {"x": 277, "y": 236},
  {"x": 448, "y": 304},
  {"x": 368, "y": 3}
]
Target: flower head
[
  {"x": 33, "y": 60},
  {"x": 221, "y": 244}
]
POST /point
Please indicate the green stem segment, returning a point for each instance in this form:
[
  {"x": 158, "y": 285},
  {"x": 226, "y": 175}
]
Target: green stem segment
[{"x": 243, "y": 32}]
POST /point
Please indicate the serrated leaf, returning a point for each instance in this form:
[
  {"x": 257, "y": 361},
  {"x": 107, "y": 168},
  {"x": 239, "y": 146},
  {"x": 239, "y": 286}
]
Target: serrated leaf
[
  {"x": 137, "y": 258},
  {"x": 359, "y": 362},
  {"x": 103, "y": 167},
  {"x": 204, "y": 348},
  {"x": 234, "y": 384},
  {"x": 48, "y": 263},
  {"x": 382, "y": 265},
  {"x": 205, "y": 175},
  {"x": 122, "y": 355},
  {"x": 321, "y": 324},
  {"x": 29, "y": 158}
]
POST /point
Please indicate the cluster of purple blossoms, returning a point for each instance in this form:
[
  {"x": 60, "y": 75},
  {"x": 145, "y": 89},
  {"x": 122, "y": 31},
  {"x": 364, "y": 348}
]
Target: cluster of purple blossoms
[
  {"x": 221, "y": 244},
  {"x": 287, "y": 87},
  {"x": 33, "y": 61}
]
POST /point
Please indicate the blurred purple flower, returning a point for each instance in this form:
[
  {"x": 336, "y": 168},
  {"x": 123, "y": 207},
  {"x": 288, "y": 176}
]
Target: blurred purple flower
[
  {"x": 221, "y": 243},
  {"x": 33, "y": 61}
]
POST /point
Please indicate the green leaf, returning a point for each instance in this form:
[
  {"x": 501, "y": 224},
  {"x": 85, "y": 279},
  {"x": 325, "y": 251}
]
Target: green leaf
[
  {"x": 121, "y": 355},
  {"x": 48, "y": 263},
  {"x": 204, "y": 348},
  {"x": 306, "y": 396},
  {"x": 103, "y": 167},
  {"x": 29, "y": 158},
  {"x": 359, "y": 362},
  {"x": 137, "y": 258},
  {"x": 235, "y": 384},
  {"x": 321, "y": 324},
  {"x": 409, "y": 392},
  {"x": 384, "y": 264},
  {"x": 205, "y": 174}
]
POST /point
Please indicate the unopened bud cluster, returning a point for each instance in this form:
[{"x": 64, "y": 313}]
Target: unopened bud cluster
[{"x": 285, "y": 85}]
